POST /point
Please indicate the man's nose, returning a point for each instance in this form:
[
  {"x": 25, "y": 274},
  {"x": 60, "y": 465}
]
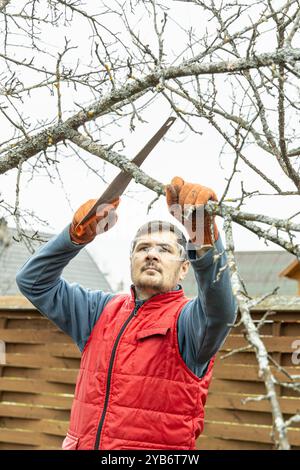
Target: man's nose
[{"x": 152, "y": 253}]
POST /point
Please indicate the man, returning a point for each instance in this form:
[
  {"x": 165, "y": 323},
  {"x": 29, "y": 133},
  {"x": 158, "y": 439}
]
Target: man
[{"x": 147, "y": 356}]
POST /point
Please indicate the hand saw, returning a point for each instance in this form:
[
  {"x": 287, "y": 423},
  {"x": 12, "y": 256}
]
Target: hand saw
[{"x": 120, "y": 183}]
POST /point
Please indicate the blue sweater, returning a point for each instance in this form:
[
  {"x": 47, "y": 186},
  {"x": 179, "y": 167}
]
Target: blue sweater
[{"x": 203, "y": 323}]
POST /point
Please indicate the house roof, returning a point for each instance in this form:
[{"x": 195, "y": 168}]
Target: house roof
[
  {"x": 82, "y": 269},
  {"x": 260, "y": 272},
  {"x": 292, "y": 270}
]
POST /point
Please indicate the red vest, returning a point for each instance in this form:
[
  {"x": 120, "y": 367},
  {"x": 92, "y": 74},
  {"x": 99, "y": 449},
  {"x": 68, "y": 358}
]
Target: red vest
[{"x": 134, "y": 390}]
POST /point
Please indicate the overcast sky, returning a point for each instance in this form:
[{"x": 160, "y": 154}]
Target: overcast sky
[{"x": 195, "y": 158}]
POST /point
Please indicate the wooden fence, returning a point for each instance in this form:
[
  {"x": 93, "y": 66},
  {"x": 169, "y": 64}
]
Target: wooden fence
[{"x": 37, "y": 382}]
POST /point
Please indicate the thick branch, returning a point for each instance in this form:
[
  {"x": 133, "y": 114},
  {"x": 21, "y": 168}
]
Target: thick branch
[
  {"x": 222, "y": 210},
  {"x": 245, "y": 219},
  {"x": 237, "y": 214},
  {"x": 28, "y": 148},
  {"x": 3, "y": 4},
  {"x": 116, "y": 159}
]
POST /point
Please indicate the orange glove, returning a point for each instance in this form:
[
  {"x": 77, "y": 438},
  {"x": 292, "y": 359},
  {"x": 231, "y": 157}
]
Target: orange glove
[
  {"x": 105, "y": 219},
  {"x": 180, "y": 197}
]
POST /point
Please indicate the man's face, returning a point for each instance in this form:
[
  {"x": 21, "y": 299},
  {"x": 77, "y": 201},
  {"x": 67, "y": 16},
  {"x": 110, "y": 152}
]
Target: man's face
[{"x": 156, "y": 266}]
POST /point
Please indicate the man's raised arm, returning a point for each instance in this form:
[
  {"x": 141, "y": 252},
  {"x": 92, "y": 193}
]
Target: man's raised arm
[
  {"x": 71, "y": 307},
  {"x": 205, "y": 321}
]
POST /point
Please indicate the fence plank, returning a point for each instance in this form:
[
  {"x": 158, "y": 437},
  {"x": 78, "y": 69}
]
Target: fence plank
[
  {"x": 281, "y": 344},
  {"x": 52, "y": 427},
  {"x": 53, "y": 349},
  {"x": 63, "y": 376},
  {"x": 30, "y": 438},
  {"x": 27, "y": 411},
  {"x": 247, "y": 432},
  {"x": 211, "y": 443},
  {"x": 62, "y": 402},
  {"x": 238, "y": 386},
  {"x": 241, "y": 417},
  {"x": 233, "y": 401},
  {"x": 32, "y": 336},
  {"x": 34, "y": 386},
  {"x": 40, "y": 361},
  {"x": 248, "y": 372}
]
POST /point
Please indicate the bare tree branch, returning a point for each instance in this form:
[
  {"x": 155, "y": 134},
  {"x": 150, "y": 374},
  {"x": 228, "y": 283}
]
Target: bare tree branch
[
  {"x": 255, "y": 340},
  {"x": 3, "y": 4}
]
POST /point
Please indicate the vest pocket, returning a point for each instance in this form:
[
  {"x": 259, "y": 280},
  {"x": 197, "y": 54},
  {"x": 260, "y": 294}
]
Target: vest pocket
[
  {"x": 151, "y": 354},
  {"x": 142, "y": 334},
  {"x": 70, "y": 442}
]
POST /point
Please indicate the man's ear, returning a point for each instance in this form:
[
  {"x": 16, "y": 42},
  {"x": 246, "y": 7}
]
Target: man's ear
[{"x": 184, "y": 269}]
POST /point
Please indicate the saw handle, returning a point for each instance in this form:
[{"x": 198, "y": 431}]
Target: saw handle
[{"x": 79, "y": 230}]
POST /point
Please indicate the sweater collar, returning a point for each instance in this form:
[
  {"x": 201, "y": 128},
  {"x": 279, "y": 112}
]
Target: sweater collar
[{"x": 163, "y": 297}]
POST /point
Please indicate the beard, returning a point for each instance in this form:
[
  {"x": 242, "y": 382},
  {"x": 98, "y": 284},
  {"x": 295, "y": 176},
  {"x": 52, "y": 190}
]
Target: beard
[
  {"x": 155, "y": 283},
  {"x": 149, "y": 282}
]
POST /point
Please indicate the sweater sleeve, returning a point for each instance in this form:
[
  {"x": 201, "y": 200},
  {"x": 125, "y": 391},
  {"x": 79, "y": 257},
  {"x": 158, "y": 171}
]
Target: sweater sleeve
[
  {"x": 71, "y": 307},
  {"x": 205, "y": 321}
]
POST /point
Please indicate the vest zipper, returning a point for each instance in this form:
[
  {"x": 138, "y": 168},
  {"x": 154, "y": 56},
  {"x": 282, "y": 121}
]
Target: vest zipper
[{"x": 111, "y": 362}]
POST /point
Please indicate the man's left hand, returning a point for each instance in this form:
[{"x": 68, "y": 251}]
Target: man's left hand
[{"x": 189, "y": 198}]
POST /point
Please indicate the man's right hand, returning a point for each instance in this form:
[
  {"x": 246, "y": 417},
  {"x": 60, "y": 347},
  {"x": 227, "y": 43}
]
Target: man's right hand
[{"x": 105, "y": 219}]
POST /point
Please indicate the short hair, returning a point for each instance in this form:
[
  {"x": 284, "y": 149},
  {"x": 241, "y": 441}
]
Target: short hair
[{"x": 154, "y": 226}]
